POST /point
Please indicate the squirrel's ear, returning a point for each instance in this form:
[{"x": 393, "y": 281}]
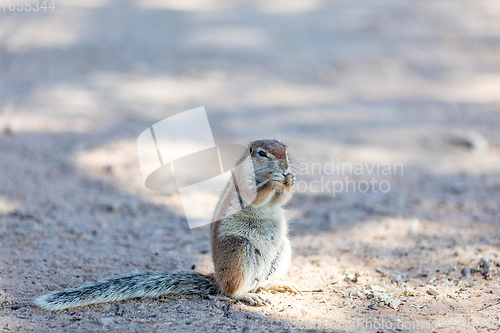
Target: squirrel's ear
[{"x": 251, "y": 150}]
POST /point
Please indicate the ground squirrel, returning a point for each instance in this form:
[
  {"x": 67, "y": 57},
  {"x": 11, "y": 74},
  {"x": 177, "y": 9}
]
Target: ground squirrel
[{"x": 250, "y": 246}]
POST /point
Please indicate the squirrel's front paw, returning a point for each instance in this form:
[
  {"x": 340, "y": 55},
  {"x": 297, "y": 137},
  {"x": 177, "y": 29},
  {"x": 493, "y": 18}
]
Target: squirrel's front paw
[
  {"x": 290, "y": 179},
  {"x": 277, "y": 178}
]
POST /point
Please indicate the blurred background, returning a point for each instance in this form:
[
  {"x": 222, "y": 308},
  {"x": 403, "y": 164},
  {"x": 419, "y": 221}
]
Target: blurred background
[{"x": 379, "y": 81}]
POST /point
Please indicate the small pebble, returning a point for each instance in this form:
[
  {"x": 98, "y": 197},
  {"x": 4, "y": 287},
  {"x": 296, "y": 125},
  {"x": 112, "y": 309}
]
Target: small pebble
[
  {"x": 350, "y": 277},
  {"x": 414, "y": 225},
  {"x": 396, "y": 277},
  {"x": 259, "y": 315},
  {"x": 14, "y": 307},
  {"x": 112, "y": 206},
  {"x": 108, "y": 169},
  {"x": 471, "y": 140},
  {"x": 11, "y": 128},
  {"x": 486, "y": 268},
  {"x": 432, "y": 292},
  {"x": 457, "y": 188},
  {"x": 485, "y": 263},
  {"x": 332, "y": 217},
  {"x": 447, "y": 282},
  {"x": 296, "y": 307},
  {"x": 105, "y": 321},
  {"x": 466, "y": 272}
]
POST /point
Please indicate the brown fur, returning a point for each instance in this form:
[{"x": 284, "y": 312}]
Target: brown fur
[
  {"x": 229, "y": 263},
  {"x": 263, "y": 193}
]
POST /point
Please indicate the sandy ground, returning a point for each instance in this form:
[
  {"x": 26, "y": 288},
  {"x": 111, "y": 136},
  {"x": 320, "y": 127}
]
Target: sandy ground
[{"x": 379, "y": 82}]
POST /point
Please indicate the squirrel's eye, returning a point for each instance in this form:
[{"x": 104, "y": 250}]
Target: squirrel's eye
[
  {"x": 262, "y": 153},
  {"x": 251, "y": 150}
]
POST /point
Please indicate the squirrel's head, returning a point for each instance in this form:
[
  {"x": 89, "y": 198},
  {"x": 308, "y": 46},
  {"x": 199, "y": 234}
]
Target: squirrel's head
[{"x": 269, "y": 155}]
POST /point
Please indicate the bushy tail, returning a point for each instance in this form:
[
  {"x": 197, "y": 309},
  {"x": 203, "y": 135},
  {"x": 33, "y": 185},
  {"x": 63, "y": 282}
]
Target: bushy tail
[{"x": 150, "y": 285}]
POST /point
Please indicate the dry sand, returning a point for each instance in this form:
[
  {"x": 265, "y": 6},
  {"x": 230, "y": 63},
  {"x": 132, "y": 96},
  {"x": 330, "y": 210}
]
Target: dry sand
[{"x": 355, "y": 81}]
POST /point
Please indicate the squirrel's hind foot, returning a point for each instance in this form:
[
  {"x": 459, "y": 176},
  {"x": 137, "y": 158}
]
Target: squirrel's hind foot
[{"x": 252, "y": 299}]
